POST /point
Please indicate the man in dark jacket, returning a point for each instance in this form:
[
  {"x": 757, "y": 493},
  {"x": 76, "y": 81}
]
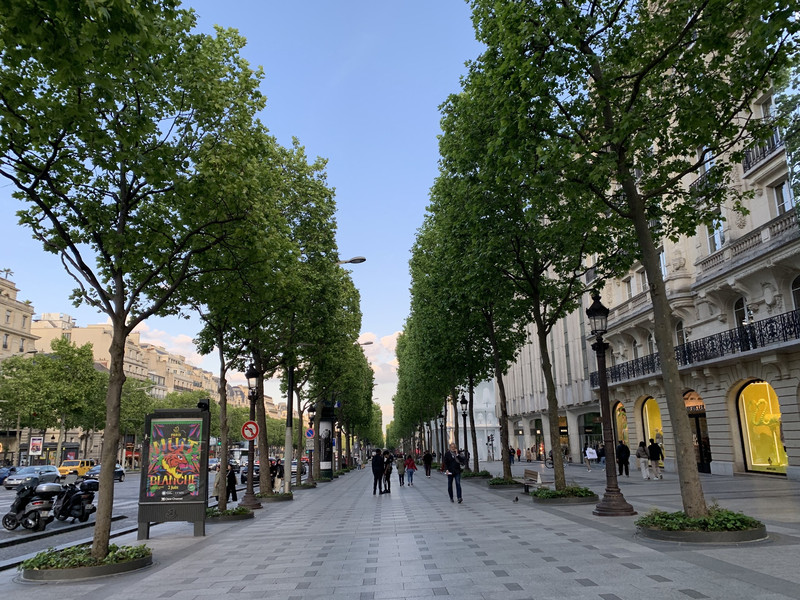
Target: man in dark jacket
[
  {"x": 656, "y": 454},
  {"x": 427, "y": 460},
  {"x": 377, "y": 472},
  {"x": 623, "y": 458},
  {"x": 453, "y": 463}
]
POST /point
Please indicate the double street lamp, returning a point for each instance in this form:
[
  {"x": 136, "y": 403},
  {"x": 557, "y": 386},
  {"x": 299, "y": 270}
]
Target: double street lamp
[
  {"x": 613, "y": 503},
  {"x": 249, "y": 499}
]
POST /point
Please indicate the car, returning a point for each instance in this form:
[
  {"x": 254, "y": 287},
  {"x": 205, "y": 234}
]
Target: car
[
  {"x": 94, "y": 473},
  {"x": 213, "y": 463},
  {"x": 5, "y": 472},
  {"x": 45, "y": 474},
  {"x": 294, "y": 468},
  {"x": 78, "y": 467},
  {"x": 243, "y": 473}
]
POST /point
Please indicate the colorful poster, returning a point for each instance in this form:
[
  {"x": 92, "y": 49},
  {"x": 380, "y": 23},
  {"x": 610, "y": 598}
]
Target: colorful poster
[
  {"x": 174, "y": 465},
  {"x": 35, "y": 448}
]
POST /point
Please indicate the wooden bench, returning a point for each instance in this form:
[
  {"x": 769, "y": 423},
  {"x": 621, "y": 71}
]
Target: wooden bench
[{"x": 530, "y": 478}]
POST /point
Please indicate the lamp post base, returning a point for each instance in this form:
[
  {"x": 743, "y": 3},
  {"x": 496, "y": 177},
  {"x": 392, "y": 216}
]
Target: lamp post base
[
  {"x": 250, "y": 501},
  {"x": 613, "y": 504}
]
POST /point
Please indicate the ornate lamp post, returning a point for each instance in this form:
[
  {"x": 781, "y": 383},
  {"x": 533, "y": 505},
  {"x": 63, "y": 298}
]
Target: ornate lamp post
[
  {"x": 441, "y": 440},
  {"x": 613, "y": 503},
  {"x": 249, "y": 499},
  {"x": 463, "y": 402}
]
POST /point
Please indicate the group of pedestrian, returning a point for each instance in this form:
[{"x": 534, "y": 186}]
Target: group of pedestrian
[
  {"x": 650, "y": 458},
  {"x": 384, "y": 462},
  {"x": 225, "y": 483}
]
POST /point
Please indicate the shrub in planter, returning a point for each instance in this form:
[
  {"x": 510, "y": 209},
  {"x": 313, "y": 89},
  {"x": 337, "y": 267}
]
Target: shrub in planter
[
  {"x": 213, "y": 511},
  {"x": 499, "y": 481},
  {"x": 275, "y": 497},
  {"x": 81, "y": 556},
  {"x": 571, "y": 491},
  {"x": 718, "y": 519},
  {"x": 470, "y": 474}
]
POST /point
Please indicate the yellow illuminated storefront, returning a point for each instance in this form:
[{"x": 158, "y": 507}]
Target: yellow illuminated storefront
[
  {"x": 621, "y": 423},
  {"x": 762, "y": 434},
  {"x": 653, "y": 427}
]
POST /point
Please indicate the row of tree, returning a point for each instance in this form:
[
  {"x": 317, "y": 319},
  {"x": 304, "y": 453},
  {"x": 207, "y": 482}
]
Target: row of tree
[
  {"x": 568, "y": 149},
  {"x": 134, "y": 147}
]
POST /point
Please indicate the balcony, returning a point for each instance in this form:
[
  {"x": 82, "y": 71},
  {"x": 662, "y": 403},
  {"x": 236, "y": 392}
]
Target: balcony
[
  {"x": 760, "y": 334},
  {"x": 756, "y": 156}
]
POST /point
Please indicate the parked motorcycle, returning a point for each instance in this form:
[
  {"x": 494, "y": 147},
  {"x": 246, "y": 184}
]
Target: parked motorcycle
[
  {"x": 33, "y": 505},
  {"x": 76, "y": 501}
]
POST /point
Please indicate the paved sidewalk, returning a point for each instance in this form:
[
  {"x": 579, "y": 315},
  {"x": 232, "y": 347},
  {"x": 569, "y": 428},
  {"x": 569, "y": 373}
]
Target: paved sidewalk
[{"x": 341, "y": 542}]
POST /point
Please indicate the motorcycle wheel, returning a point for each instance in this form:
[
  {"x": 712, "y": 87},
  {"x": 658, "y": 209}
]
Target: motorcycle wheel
[
  {"x": 84, "y": 517},
  {"x": 10, "y": 522},
  {"x": 32, "y": 520},
  {"x": 61, "y": 517}
]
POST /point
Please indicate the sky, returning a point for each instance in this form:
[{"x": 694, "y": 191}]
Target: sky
[{"x": 358, "y": 82}]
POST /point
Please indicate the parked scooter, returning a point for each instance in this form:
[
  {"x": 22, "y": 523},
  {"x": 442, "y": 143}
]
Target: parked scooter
[
  {"x": 76, "y": 501},
  {"x": 32, "y": 507}
]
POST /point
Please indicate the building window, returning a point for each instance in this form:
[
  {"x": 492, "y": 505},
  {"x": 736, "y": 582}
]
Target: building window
[
  {"x": 651, "y": 344},
  {"x": 641, "y": 280},
  {"x": 680, "y": 334},
  {"x": 796, "y": 292},
  {"x": 24, "y": 321},
  {"x": 742, "y": 314},
  {"x": 716, "y": 235},
  {"x": 8, "y": 316},
  {"x": 784, "y": 198},
  {"x": 5, "y": 341},
  {"x": 628, "y": 288},
  {"x": 662, "y": 262},
  {"x": 22, "y": 345}
]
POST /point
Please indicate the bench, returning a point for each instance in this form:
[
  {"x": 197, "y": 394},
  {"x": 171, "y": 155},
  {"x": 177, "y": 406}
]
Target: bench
[{"x": 530, "y": 478}]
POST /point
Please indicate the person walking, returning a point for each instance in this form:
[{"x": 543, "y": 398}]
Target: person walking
[
  {"x": 656, "y": 454},
  {"x": 623, "y": 458},
  {"x": 427, "y": 461},
  {"x": 644, "y": 460},
  {"x": 454, "y": 462},
  {"x": 511, "y": 454},
  {"x": 388, "y": 461},
  {"x": 410, "y": 467},
  {"x": 377, "y": 472},
  {"x": 218, "y": 479},
  {"x": 230, "y": 487},
  {"x": 589, "y": 454},
  {"x": 277, "y": 477},
  {"x": 399, "y": 463}
]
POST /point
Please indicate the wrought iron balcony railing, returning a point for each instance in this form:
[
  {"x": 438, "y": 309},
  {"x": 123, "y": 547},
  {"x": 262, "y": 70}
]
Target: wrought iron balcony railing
[
  {"x": 760, "y": 334},
  {"x": 755, "y": 156}
]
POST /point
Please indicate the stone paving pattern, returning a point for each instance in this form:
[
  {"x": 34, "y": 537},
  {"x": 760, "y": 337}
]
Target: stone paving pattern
[{"x": 340, "y": 542}]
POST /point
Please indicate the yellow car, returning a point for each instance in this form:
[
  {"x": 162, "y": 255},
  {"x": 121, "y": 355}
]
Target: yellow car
[{"x": 79, "y": 467}]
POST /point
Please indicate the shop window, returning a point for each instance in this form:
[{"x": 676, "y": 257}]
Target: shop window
[
  {"x": 651, "y": 419},
  {"x": 762, "y": 431},
  {"x": 621, "y": 423}
]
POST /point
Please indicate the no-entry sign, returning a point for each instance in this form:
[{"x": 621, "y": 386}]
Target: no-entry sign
[{"x": 250, "y": 430}]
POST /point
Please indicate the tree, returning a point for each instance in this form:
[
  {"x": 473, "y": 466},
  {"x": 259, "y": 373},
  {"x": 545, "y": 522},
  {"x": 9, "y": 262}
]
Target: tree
[
  {"x": 111, "y": 114},
  {"x": 631, "y": 90}
]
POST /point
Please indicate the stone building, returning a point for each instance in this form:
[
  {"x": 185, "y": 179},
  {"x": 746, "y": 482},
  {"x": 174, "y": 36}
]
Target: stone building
[
  {"x": 734, "y": 289},
  {"x": 15, "y": 320}
]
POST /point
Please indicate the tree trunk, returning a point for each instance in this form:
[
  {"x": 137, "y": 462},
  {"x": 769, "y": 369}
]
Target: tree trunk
[
  {"x": 105, "y": 494},
  {"x": 475, "y": 463},
  {"x": 501, "y": 388},
  {"x": 559, "y": 479},
  {"x": 264, "y": 477},
  {"x": 223, "y": 422}
]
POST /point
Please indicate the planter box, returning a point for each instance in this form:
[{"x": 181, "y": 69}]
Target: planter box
[
  {"x": 705, "y": 537},
  {"x": 277, "y": 498},
  {"x": 567, "y": 500},
  {"x": 86, "y": 572}
]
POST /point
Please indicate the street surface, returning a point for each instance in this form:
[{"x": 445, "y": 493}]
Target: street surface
[{"x": 339, "y": 542}]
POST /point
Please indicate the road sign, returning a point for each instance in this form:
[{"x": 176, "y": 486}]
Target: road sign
[
  {"x": 310, "y": 433},
  {"x": 309, "y": 444},
  {"x": 250, "y": 430}
]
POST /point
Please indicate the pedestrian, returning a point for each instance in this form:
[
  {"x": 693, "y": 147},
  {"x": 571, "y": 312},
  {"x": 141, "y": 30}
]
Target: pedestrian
[
  {"x": 527, "y": 455},
  {"x": 377, "y": 472},
  {"x": 279, "y": 475},
  {"x": 519, "y": 454},
  {"x": 623, "y": 458},
  {"x": 427, "y": 461},
  {"x": 230, "y": 487},
  {"x": 656, "y": 454},
  {"x": 399, "y": 462},
  {"x": 410, "y": 467},
  {"x": 388, "y": 461},
  {"x": 454, "y": 462},
  {"x": 511, "y": 454},
  {"x": 218, "y": 479},
  {"x": 601, "y": 455},
  {"x": 644, "y": 460},
  {"x": 589, "y": 454}
]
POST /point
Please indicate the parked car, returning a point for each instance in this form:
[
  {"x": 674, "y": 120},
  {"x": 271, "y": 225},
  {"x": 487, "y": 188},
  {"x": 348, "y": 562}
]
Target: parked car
[
  {"x": 294, "y": 468},
  {"x": 45, "y": 474},
  {"x": 5, "y": 472},
  {"x": 213, "y": 463},
  {"x": 78, "y": 467},
  {"x": 94, "y": 473}
]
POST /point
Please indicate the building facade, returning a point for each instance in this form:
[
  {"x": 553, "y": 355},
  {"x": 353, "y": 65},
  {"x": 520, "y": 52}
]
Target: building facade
[
  {"x": 15, "y": 321},
  {"x": 734, "y": 290}
]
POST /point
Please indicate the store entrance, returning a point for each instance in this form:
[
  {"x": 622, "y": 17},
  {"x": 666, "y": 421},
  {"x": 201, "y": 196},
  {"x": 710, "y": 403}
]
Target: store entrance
[{"x": 697, "y": 417}]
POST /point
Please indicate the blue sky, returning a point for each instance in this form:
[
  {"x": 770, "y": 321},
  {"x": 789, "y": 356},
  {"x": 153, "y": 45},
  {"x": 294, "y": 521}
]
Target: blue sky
[{"x": 357, "y": 82}]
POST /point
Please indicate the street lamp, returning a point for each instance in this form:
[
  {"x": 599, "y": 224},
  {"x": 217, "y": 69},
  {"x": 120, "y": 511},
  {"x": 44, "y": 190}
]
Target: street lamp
[
  {"x": 249, "y": 499},
  {"x": 463, "y": 404},
  {"x": 356, "y": 260},
  {"x": 441, "y": 435},
  {"x": 613, "y": 503}
]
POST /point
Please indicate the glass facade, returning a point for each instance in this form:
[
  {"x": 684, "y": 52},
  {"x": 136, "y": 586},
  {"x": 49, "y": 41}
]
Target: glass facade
[
  {"x": 651, "y": 419},
  {"x": 762, "y": 434},
  {"x": 621, "y": 424}
]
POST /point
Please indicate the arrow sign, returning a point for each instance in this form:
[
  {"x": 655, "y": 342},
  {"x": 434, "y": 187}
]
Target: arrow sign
[{"x": 250, "y": 430}]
